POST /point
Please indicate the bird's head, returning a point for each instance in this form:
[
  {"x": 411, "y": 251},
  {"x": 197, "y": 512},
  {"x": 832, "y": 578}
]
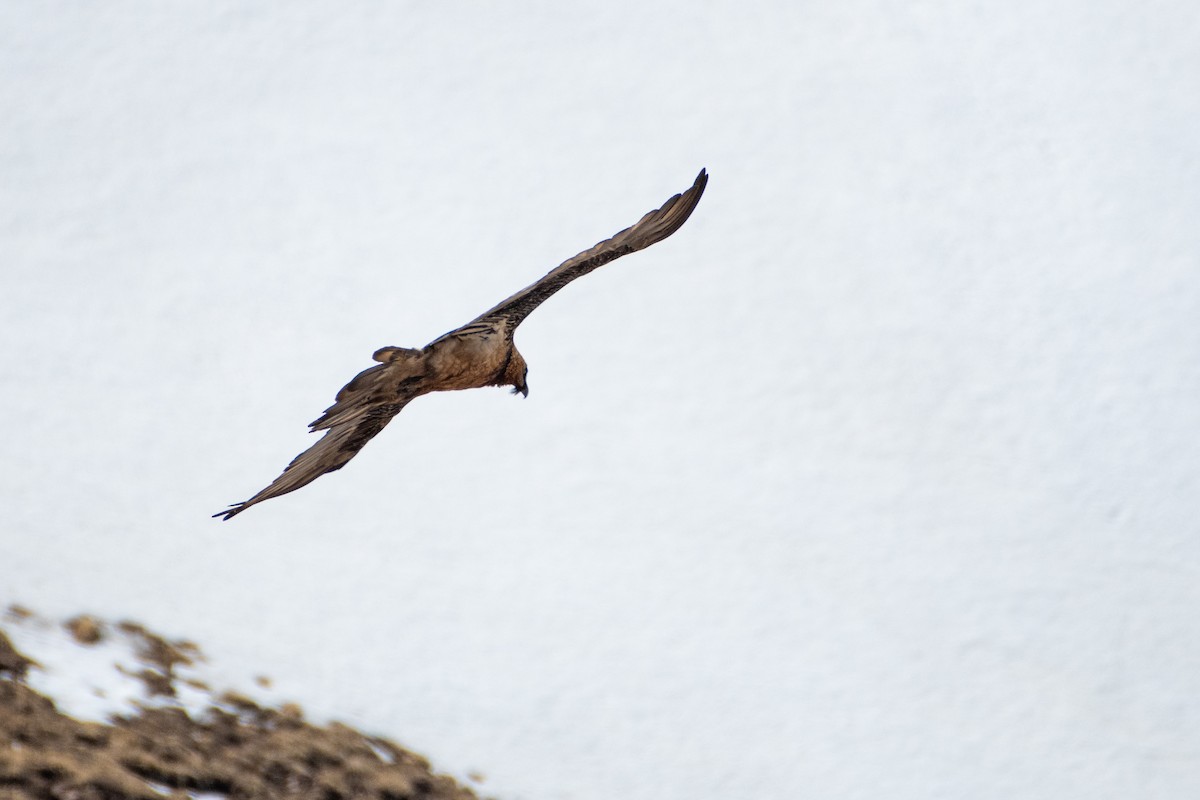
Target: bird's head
[{"x": 516, "y": 374}]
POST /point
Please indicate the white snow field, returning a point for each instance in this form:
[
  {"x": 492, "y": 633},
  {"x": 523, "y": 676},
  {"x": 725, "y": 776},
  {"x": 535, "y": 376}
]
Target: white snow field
[{"x": 880, "y": 478}]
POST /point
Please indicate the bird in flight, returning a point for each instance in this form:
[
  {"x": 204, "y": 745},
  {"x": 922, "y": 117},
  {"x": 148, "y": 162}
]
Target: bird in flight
[{"x": 480, "y": 353}]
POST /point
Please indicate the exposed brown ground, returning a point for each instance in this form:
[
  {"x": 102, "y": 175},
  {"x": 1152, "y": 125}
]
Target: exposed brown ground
[{"x": 235, "y": 748}]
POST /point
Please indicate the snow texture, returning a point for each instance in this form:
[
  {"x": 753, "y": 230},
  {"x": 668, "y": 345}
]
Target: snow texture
[{"x": 878, "y": 479}]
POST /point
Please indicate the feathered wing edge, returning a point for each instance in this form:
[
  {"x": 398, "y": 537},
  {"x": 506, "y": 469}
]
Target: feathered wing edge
[
  {"x": 651, "y": 228},
  {"x": 331, "y": 452},
  {"x": 363, "y": 408}
]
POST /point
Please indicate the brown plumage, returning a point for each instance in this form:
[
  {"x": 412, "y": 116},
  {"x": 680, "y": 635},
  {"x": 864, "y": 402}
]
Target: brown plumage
[{"x": 480, "y": 353}]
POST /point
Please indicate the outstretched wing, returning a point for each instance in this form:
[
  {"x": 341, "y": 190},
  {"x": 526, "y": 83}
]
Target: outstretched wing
[
  {"x": 364, "y": 406},
  {"x": 653, "y": 227}
]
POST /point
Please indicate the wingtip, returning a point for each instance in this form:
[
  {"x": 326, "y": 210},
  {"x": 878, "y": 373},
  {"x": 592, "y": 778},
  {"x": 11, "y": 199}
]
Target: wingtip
[{"x": 230, "y": 512}]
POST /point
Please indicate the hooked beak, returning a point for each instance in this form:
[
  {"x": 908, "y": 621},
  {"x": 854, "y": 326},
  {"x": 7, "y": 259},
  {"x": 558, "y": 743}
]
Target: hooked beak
[{"x": 522, "y": 390}]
